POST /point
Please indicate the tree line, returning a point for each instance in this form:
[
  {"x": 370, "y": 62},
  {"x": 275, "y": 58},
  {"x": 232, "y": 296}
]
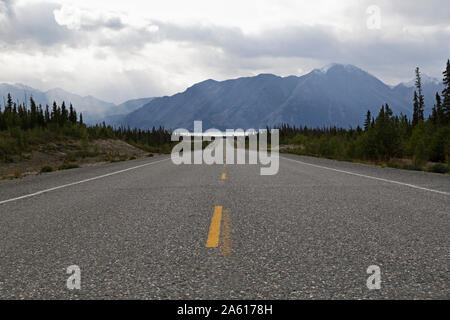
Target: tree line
[
  {"x": 24, "y": 117},
  {"x": 24, "y": 126},
  {"x": 385, "y": 136}
]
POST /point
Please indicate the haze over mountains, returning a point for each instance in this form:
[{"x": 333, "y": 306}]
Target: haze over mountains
[
  {"x": 94, "y": 110},
  {"x": 336, "y": 95}
]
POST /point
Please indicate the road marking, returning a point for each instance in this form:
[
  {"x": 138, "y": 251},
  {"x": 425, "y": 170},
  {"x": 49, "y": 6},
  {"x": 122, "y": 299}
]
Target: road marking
[
  {"x": 78, "y": 182},
  {"x": 214, "y": 228},
  {"x": 370, "y": 177},
  {"x": 224, "y": 176},
  {"x": 225, "y": 246}
]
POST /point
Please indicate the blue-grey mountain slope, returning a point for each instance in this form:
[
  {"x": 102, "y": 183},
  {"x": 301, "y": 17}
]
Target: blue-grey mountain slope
[
  {"x": 118, "y": 112},
  {"x": 338, "y": 95}
]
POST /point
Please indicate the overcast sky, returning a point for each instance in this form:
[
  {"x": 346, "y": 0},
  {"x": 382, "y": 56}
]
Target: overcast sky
[{"x": 117, "y": 50}]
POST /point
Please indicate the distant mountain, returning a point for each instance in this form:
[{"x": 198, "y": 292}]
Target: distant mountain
[
  {"x": 337, "y": 95},
  {"x": 93, "y": 109},
  {"x": 118, "y": 112},
  {"x": 131, "y": 105}
]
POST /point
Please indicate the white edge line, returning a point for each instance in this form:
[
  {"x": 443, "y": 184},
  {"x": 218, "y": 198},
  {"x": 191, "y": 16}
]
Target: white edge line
[
  {"x": 78, "y": 182},
  {"x": 370, "y": 177}
]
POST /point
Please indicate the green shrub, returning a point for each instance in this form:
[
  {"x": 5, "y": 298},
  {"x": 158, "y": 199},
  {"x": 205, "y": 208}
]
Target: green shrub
[
  {"x": 393, "y": 164},
  {"x": 411, "y": 167},
  {"x": 439, "y": 168},
  {"x": 46, "y": 169},
  {"x": 70, "y": 157}
]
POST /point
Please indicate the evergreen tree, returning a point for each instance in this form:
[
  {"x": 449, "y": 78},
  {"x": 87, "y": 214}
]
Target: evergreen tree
[
  {"x": 46, "y": 115},
  {"x": 9, "y": 103},
  {"x": 437, "y": 116},
  {"x": 55, "y": 113},
  {"x": 446, "y": 93},
  {"x": 367, "y": 121},
  {"x": 2, "y": 121},
  {"x": 72, "y": 114},
  {"x": 420, "y": 97},
  {"x": 415, "y": 119},
  {"x": 41, "y": 118},
  {"x": 388, "y": 111},
  {"x": 64, "y": 114},
  {"x": 33, "y": 113}
]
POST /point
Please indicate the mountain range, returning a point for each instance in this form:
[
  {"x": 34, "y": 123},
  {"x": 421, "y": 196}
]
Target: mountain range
[
  {"x": 336, "y": 95},
  {"x": 94, "y": 110}
]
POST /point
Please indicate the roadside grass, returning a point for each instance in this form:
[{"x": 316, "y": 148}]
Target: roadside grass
[
  {"x": 67, "y": 166},
  {"x": 405, "y": 164},
  {"x": 68, "y": 154},
  {"x": 439, "y": 168}
]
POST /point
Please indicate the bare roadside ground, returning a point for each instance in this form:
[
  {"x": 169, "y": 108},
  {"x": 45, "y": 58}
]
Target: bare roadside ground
[{"x": 69, "y": 154}]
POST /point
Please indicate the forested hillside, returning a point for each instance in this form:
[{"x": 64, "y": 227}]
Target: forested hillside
[
  {"x": 420, "y": 143},
  {"x": 393, "y": 140},
  {"x": 58, "y": 135}
]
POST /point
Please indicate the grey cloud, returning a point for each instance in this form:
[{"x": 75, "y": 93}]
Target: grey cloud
[
  {"x": 292, "y": 41},
  {"x": 36, "y": 23},
  {"x": 32, "y": 25},
  {"x": 318, "y": 42},
  {"x": 34, "y": 28},
  {"x": 114, "y": 23}
]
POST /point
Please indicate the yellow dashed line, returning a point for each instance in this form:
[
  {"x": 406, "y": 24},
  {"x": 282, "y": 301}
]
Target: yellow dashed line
[
  {"x": 224, "y": 176},
  {"x": 214, "y": 229}
]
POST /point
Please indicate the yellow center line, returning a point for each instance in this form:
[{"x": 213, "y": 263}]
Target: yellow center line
[
  {"x": 224, "y": 176},
  {"x": 214, "y": 228}
]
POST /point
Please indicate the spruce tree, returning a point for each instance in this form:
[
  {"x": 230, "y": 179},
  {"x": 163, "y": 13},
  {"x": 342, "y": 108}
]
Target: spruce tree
[
  {"x": 367, "y": 121},
  {"x": 46, "y": 115},
  {"x": 64, "y": 114},
  {"x": 415, "y": 119},
  {"x": 9, "y": 104},
  {"x": 34, "y": 113},
  {"x": 55, "y": 117},
  {"x": 388, "y": 111},
  {"x": 446, "y": 93},
  {"x": 421, "y": 101},
  {"x": 2, "y": 125},
  {"x": 439, "y": 117},
  {"x": 72, "y": 114},
  {"x": 41, "y": 118}
]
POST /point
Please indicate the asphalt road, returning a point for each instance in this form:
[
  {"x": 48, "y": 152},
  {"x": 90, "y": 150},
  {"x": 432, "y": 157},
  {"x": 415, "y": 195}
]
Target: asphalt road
[{"x": 309, "y": 232}]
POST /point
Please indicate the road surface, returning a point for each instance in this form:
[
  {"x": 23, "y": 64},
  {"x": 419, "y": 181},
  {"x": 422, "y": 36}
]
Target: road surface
[{"x": 148, "y": 229}]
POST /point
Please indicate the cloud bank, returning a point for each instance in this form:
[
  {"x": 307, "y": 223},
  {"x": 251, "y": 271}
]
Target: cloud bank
[{"x": 122, "y": 50}]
